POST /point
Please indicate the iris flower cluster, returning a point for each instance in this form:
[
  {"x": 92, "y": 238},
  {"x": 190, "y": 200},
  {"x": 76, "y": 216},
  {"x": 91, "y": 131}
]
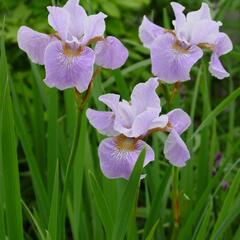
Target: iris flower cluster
[
  {"x": 174, "y": 52},
  {"x": 78, "y": 43},
  {"x": 66, "y": 53},
  {"x": 128, "y": 123}
]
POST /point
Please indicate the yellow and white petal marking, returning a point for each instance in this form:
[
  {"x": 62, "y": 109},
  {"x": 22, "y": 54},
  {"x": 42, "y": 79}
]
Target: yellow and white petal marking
[{"x": 124, "y": 146}]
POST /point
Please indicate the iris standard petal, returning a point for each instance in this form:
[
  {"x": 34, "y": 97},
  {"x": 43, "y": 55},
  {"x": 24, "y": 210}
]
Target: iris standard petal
[
  {"x": 202, "y": 34},
  {"x": 148, "y": 32},
  {"x": 110, "y": 53},
  {"x": 59, "y": 20},
  {"x": 94, "y": 26},
  {"x": 102, "y": 121},
  {"x": 33, "y": 43},
  {"x": 118, "y": 156},
  {"x": 216, "y": 68},
  {"x": 160, "y": 122},
  {"x": 66, "y": 71},
  {"x": 175, "y": 150},
  {"x": 111, "y": 100},
  {"x": 202, "y": 13},
  {"x": 143, "y": 122},
  {"x": 77, "y": 20},
  {"x": 171, "y": 62},
  {"x": 179, "y": 120},
  {"x": 180, "y": 19},
  {"x": 125, "y": 116},
  {"x": 144, "y": 96}
]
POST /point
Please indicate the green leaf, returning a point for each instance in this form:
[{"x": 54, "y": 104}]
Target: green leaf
[
  {"x": 128, "y": 200},
  {"x": 132, "y": 68},
  {"x": 52, "y": 140},
  {"x": 32, "y": 219},
  {"x": 78, "y": 173},
  {"x": 228, "y": 202},
  {"x": 53, "y": 217},
  {"x": 121, "y": 84},
  {"x": 26, "y": 142},
  {"x": 233, "y": 213},
  {"x": 203, "y": 230},
  {"x": 216, "y": 111},
  {"x": 102, "y": 205},
  {"x": 9, "y": 163},
  {"x": 157, "y": 203},
  {"x": 151, "y": 233}
]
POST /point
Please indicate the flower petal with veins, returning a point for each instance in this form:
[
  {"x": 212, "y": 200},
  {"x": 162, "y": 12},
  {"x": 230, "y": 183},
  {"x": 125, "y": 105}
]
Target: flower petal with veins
[
  {"x": 64, "y": 71},
  {"x": 119, "y": 155}
]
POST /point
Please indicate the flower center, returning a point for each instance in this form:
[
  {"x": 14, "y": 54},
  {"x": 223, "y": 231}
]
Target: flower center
[
  {"x": 124, "y": 143},
  {"x": 180, "y": 47},
  {"x": 71, "y": 52}
]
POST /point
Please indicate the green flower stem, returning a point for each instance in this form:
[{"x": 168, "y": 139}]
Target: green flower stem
[
  {"x": 68, "y": 173},
  {"x": 81, "y": 104}
]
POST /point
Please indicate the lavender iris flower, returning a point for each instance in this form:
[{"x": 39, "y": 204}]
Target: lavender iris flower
[
  {"x": 174, "y": 52},
  {"x": 66, "y": 54},
  {"x": 128, "y": 123}
]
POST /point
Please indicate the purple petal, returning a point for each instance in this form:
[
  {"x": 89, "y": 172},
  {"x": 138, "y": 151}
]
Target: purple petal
[
  {"x": 132, "y": 125},
  {"x": 78, "y": 17},
  {"x": 159, "y": 122},
  {"x": 110, "y": 53},
  {"x": 202, "y": 13},
  {"x": 180, "y": 19},
  {"x": 125, "y": 116},
  {"x": 202, "y": 34},
  {"x": 118, "y": 162},
  {"x": 102, "y": 121},
  {"x": 144, "y": 96},
  {"x": 179, "y": 120},
  {"x": 148, "y": 32},
  {"x": 143, "y": 122},
  {"x": 59, "y": 19},
  {"x": 33, "y": 43},
  {"x": 171, "y": 62},
  {"x": 94, "y": 26},
  {"x": 64, "y": 71},
  {"x": 223, "y": 44},
  {"x": 216, "y": 68},
  {"x": 175, "y": 150},
  {"x": 111, "y": 100}
]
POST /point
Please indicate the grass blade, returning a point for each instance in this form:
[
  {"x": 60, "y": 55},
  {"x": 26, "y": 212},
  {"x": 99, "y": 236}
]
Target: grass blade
[
  {"x": 22, "y": 132},
  {"x": 32, "y": 219},
  {"x": 228, "y": 202},
  {"x": 151, "y": 233},
  {"x": 154, "y": 214},
  {"x": 101, "y": 204},
  {"x": 53, "y": 217},
  {"x": 9, "y": 162},
  {"x": 52, "y": 141},
  {"x": 128, "y": 199},
  {"x": 216, "y": 111}
]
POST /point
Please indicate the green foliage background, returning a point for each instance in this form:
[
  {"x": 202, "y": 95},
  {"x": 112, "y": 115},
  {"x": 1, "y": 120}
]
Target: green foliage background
[{"x": 37, "y": 125}]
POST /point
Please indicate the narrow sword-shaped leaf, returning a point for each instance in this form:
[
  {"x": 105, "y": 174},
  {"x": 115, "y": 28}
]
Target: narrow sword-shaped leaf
[
  {"x": 128, "y": 200},
  {"x": 101, "y": 204},
  {"x": 9, "y": 163}
]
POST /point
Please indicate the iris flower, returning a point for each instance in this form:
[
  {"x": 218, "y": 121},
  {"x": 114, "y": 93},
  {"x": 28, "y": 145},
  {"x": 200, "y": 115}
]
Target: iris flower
[
  {"x": 66, "y": 54},
  {"x": 128, "y": 123},
  {"x": 174, "y": 52}
]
